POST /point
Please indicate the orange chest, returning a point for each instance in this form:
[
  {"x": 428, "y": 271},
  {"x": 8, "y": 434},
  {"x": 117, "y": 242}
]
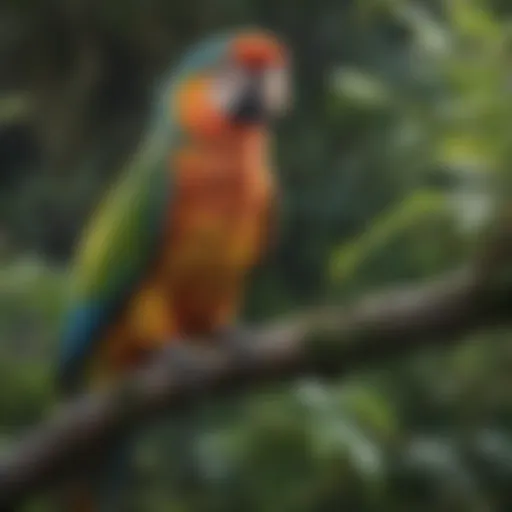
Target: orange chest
[{"x": 222, "y": 195}]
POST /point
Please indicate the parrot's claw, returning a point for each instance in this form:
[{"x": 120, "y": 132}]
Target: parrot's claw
[
  {"x": 240, "y": 341},
  {"x": 178, "y": 358}
]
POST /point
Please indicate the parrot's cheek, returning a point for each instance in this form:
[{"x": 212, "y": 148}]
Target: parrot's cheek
[{"x": 196, "y": 112}]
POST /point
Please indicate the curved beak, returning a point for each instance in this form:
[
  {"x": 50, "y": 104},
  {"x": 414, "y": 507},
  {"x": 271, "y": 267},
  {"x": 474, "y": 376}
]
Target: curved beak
[
  {"x": 264, "y": 97},
  {"x": 250, "y": 107}
]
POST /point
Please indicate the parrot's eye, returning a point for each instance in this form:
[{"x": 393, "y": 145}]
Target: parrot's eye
[{"x": 228, "y": 85}]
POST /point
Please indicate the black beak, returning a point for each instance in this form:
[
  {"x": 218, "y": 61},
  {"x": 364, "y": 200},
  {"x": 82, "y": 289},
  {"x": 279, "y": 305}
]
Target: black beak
[{"x": 250, "y": 109}]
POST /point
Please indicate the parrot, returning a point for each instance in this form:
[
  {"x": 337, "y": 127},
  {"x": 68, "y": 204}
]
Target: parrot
[{"x": 169, "y": 251}]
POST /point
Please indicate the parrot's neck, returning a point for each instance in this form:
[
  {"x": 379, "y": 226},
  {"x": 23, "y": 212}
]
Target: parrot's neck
[
  {"x": 254, "y": 147},
  {"x": 247, "y": 148}
]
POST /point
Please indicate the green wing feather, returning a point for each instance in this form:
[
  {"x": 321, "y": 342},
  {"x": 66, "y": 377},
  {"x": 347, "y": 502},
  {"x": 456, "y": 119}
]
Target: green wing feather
[{"x": 118, "y": 247}]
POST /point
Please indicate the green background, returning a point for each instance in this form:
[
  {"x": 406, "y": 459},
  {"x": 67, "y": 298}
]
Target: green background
[{"x": 398, "y": 146}]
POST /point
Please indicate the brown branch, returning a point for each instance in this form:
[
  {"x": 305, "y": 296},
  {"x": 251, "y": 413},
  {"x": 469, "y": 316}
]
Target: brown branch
[{"x": 330, "y": 340}]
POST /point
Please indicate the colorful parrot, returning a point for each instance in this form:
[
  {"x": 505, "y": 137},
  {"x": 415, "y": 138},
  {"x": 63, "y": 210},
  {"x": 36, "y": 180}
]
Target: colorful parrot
[{"x": 170, "y": 250}]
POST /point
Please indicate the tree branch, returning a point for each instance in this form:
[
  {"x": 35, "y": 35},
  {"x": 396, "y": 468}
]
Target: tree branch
[{"x": 328, "y": 340}]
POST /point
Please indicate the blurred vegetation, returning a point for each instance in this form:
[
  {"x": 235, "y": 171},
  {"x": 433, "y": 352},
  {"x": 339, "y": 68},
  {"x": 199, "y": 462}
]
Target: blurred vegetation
[{"x": 397, "y": 150}]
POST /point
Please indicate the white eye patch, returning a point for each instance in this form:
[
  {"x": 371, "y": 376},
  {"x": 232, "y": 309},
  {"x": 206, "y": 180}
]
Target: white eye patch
[
  {"x": 232, "y": 82},
  {"x": 228, "y": 85},
  {"x": 276, "y": 89}
]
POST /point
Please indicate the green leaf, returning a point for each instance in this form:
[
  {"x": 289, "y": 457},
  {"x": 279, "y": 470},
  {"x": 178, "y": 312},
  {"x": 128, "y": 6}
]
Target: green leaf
[{"x": 404, "y": 217}]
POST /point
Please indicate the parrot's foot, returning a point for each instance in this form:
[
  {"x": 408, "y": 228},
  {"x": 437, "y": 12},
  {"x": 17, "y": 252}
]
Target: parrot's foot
[
  {"x": 180, "y": 358},
  {"x": 239, "y": 341},
  {"x": 185, "y": 357}
]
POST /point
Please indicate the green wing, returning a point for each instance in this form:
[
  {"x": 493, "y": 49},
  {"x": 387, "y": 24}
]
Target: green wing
[{"x": 120, "y": 244}]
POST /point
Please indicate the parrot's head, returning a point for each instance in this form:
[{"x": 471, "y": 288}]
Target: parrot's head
[{"x": 236, "y": 80}]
